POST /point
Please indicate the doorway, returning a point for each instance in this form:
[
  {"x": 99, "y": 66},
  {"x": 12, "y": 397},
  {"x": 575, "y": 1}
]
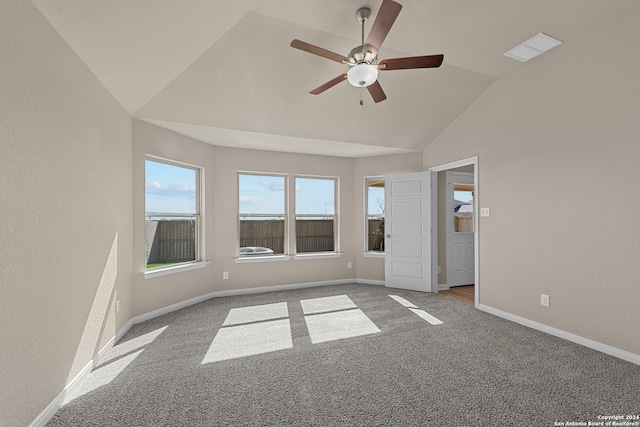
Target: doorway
[
  {"x": 460, "y": 262},
  {"x": 470, "y": 167}
]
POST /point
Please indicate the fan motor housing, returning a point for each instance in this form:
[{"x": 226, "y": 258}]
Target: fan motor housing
[{"x": 356, "y": 56}]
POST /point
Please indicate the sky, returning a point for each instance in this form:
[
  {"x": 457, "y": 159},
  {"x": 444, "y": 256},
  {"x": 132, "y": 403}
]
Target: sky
[
  {"x": 262, "y": 194},
  {"x": 172, "y": 189},
  {"x": 375, "y": 200},
  {"x": 463, "y": 196},
  {"x": 169, "y": 189},
  {"x": 266, "y": 194}
]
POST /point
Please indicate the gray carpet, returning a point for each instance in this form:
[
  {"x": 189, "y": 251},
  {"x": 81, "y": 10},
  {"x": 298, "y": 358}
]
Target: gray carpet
[{"x": 474, "y": 369}]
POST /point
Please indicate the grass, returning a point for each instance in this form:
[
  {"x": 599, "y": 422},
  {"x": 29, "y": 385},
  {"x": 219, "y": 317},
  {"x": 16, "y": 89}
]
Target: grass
[{"x": 165, "y": 264}]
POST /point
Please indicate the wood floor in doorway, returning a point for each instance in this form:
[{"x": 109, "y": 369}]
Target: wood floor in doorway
[{"x": 463, "y": 294}]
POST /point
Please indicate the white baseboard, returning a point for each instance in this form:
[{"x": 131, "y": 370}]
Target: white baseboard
[
  {"x": 56, "y": 403},
  {"x": 173, "y": 307},
  {"x": 370, "y": 282},
  {"x": 100, "y": 356},
  {"x": 595, "y": 345},
  {"x": 59, "y": 400},
  {"x": 51, "y": 409},
  {"x": 123, "y": 331},
  {"x": 443, "y": 287}
]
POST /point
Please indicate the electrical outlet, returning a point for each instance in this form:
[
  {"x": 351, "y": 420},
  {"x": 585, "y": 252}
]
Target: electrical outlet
[
  {"x": 349, "y": 265},
  {"x": 225, "y": 275},
  {"x": 544, "y": 300},
  {"x": 485, "y": 212},
  {"x": 117, "y": 306}
]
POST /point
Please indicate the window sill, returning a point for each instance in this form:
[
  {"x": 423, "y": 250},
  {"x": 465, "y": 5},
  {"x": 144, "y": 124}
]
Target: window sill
[
  {"x": 373, "y": 254},
  {"x": 271, "y": 258},
  {"x": 328, "y": 255},
  {"x": 174, "y": 269}
]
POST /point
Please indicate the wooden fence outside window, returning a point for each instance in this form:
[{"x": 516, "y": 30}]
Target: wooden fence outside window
[{"x": 174, "y": 240}]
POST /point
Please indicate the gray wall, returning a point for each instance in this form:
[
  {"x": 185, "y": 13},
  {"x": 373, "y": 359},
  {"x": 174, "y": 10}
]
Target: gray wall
[
  {"x": 221, "y": 165},
  {"x": 558, "y": 151},
  {"x": 65, "y": 214},
  {"x": 221, "y": 200},
  {"x": 557, "y": 142}
]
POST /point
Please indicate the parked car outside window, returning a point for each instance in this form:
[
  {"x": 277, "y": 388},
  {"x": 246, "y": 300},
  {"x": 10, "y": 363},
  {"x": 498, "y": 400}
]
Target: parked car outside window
[{"x": 255, "y": 250}]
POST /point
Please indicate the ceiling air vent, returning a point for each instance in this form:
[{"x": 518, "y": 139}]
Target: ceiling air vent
[{"x": 533, "y": 47}]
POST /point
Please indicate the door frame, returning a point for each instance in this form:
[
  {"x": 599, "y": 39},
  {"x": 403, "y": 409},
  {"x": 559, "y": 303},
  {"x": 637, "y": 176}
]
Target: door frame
[{"x": 476, "y": 228}]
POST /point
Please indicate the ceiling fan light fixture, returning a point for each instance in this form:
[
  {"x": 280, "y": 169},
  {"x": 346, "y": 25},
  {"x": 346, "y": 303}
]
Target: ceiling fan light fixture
[
  {"x": 363, "y": 60},
  {"x": 362, "y": 75}
]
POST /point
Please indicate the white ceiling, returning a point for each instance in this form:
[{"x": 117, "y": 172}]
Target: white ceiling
[{"x": 222, "y": 71}]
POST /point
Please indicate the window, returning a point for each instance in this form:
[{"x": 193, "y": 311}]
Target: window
[
  {"x": 316, "y": 218},
  {"x": 374, "y": 215},
  {"x": 262, "y": 218},
  {"x": 172, "y": 211},
  {"x": 462, "y": 208}
]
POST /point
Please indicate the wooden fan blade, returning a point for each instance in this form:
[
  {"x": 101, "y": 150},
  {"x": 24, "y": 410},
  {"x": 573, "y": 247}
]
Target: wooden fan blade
[
  {"x": 299, "y": 44},
  {"x": 387, "y": 15},
  {"x": 329, "y": 84},
  {"x": 430, "y": 61},
  {"x": 376, "y": 92}
]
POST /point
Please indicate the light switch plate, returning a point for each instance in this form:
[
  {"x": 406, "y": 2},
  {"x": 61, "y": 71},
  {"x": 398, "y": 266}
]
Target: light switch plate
[{"x": 485, "y": 212}]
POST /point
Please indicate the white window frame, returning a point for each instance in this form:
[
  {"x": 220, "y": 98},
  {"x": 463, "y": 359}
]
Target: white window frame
[
  {"x": 335, "y": 216},
  {"x": 198, "y": 262},
  {"x": 285, "y": 216},
  {"x": 367, "y": 252}
]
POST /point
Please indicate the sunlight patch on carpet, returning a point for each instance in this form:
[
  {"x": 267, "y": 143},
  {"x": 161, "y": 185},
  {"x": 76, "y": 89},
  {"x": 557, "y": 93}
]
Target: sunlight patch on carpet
[
  {"x": 102, "y": 376},
  {"x": 256, "y": 313},
  {"x": 247, "y": 340},
  {"x": 339, "y": 325},
  {"x": 426, "y": 316},
  {"x": 323, "y": 305},
  {"x": 403, "y": 301},
  {"x": 126, "y": 347}
]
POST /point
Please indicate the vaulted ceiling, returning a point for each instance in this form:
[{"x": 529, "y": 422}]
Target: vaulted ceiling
[{"x": 222, "y": 71}]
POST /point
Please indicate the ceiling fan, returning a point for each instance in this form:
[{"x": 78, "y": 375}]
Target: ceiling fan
[{"x": 363, "y": 60}]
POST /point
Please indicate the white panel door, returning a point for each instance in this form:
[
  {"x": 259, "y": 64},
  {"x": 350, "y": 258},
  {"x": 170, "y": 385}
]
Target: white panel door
[
  {"x": 408, "y": 216},
  {"x": 460, "y": 240}
]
